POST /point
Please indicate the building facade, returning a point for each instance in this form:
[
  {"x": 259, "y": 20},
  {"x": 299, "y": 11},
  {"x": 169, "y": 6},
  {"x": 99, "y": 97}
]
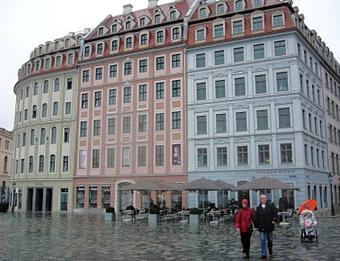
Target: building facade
[
  {"x": 45, "y": 126},
  {"x": 6, "y": 144},
  {"x": 256, "y": 107}
]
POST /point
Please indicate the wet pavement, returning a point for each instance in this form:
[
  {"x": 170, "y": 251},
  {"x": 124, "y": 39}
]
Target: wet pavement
[{"x": 89, "y": 237}]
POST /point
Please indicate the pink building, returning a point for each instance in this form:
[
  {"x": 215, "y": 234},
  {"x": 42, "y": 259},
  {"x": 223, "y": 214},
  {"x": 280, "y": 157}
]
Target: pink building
[{"x": 132, "y": 103}]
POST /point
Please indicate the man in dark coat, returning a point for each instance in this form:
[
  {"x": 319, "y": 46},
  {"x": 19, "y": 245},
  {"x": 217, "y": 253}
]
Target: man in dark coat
[{"x": 265, "y": 219}]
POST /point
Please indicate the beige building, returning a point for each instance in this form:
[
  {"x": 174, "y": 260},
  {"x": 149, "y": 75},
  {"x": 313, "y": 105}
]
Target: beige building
[{"x": 6, "y": 142}]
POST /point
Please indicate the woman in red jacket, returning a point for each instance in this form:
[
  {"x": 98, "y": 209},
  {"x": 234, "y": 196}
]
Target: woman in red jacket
[{"x": 244, "y": 220}]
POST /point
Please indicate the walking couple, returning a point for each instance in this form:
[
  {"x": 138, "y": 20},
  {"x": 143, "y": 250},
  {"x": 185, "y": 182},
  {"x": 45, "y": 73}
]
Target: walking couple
[{"x": 263, "y": 219}]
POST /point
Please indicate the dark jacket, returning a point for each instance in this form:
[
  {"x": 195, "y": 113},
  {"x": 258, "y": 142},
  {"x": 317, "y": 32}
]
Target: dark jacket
[{"x": 264, "y": 218}]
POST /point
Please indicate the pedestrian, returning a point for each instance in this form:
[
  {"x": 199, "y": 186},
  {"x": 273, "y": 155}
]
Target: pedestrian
[
  {"x": 265, "y": 219},
  {"x": 244, "y": 225}
]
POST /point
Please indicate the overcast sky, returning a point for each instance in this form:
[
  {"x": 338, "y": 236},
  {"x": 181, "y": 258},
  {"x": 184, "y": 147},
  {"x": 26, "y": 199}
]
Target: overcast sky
[{"x": 24, "y": 24}]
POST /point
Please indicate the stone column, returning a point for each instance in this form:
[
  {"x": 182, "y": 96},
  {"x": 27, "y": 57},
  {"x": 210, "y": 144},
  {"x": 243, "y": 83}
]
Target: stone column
[
  {"x": 34, "y": 199},
  {"x": 44, "y": 200}
]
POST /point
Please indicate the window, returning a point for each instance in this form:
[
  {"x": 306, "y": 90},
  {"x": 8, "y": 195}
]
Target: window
[
  {"x": 24, "y": 139},
  {"x": 126, "y": 124},
  {"x": 284, "y": 118},
  {"x": 221, "y": 123},
  {"x": 201, "y": 92},
  {"x": 32, "y": 139},
  {"x": 312, "y": 155},
  {"x": 84, "y": 100},
  {"x": 222, "y": 157},
  {"x": 42, "y": 136},
  {"x": 41, "y": 163},
  {"x": 95, "y": 158},
  {"x": 66, "y": 135},
  {"x": 200, "y": 60},
  {"x": 202, "y": 157},
  {"x": 26, "y": 114},
  {"x": 286, "y": 153},
  {"x": 203, "y": 12},
  {"x": 176, "y": 88},
  {"x": 97, "y": 99},
  {"x": 128, "y": 42},
  {"x": 114, "y": 28},
  {"x": 200, "y": 35},
  {"x": 144, "y": 40},
  {"x": 30, "y": 164},
  {"x": 241, "y": 121},
  {"x": 218, "y": 30},
  {"x": 83, "y": 129},
  {"x": 160, "y": 37},
  {"x": 44, "y": 110},
  {"x": 142, "y": 21},
  {"x": 70, "y": 58},
  {"x": 86, "y": 76},
  {"x": 111, "y": 123},
  {"x": 142, "y": 123},
  {"x": 257, "y": 3},
  {"x": 160, "y": 63},
  {"x": 238, "y": 5},
  {"x": 157, "y": 18},
  {"x": 176, "y": 60},
  {"x": 202, "y": 125},
  {"x": 176, "y": 120},
  {"x": 65, "y": 163},
  {"x": 36, "y": 89},
  {"x": 47, "y": 63},
  {"x": 127, "y": 68},
  {"x": 143, "y": 66},
  {"x": 310, "y": 122},
  {"x": 278, "y": 20},
  {"x": 238, "y": 27},
  {"x": 242, "y": 155},
  {"x": 219, "y": 57},
  {"x": 220, "y": 89},
  {"x": 141, "y": 156},
  {"x": 257, "y": 23},
  {"x": 176, "y": 34},
  {"x": 110, "y": 157},
  {"x": 113, "y": 70},
  {"x": 114, "y": 45},
  {"x": 142, "y": 92},
  {"x": 240, "y": 86},
  {"x": 262, "y": 119},
  {"x": 159, "y": 155},
  {"x": 173, "y": 15},
  {"x": 87, "y": 50},
  {"x": 280, "y": 48},
  {"x": 127, "y": 94},
  {"x": 99, "y": 74},
  {"x": 159, "y": 90},
  {"x": 264, "y": 154},
  {"x": 176, "y": 154},
  {"x": 55, "y": 108},
  {"x": 159, "y": 121},
  {"x": 46, "y": 86},
  {"x": 56, "y": 85},
  {"x": 282, "y": 81},
  {"x": 96, "y": 127},
  {"x": 238, "y": 54},
  {"x": 34, "y": 111},
  {"x": 22, "y": 167},
  {"x": 260, "y": 84},
  {"x": 220, "y": 9}
]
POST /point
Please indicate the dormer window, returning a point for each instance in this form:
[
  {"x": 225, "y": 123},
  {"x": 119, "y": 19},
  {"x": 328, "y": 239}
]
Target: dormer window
[
  {"x": 258, "y": 3},
  {"x": 47, "y": 47},
  {"x": 142, "y": 22},
  {"x": 101, "y": 31},
  {"x": 56, "y": 45},
  {"x": 144, "y": 40},
  {"x": 157, "y": 18},
  {"x": 78, "y": 40},
  {"x": 173, "y": 15},
  {"x": 238, "y": 5},
  {"x": 203, "y": 12},
  {"x": 220, "y": 9},
  {"x": 100, "y": 49},
  {"x": 87, "y": 50},
  {"x": 67, "y": 43},
  {"x": 200, "y": 35},
  {"x": 128, "y": 25},
  {"x": 278, "y": 20},
  {"x": 114, "y": 28}
]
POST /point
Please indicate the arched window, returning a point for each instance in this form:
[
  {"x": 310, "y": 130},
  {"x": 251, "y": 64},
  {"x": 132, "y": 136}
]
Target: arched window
[
  {"x": 142, "y": 22},
  {"x": 114, "y": 28},
  {"x": 45, "y": 90},
  {"x": 238, "y": 5},
  {"x": 55, "y": 108},
  {"x": 144, "y": 39},
  {"x": 157, "y": 18},
  {"x": 44, "y": 110},
  {"x": 127, "y": 25},
  {"x": 34, "y": 111},
  {"x": 56, "y": 85},
  {"x": 36, "y": 88},
  {"x": 32, "y": 139},
  {"x": 52, "y": 163},
  {"x": 41, "y": 163},
  {"x": 30, "y": 164},
  {"x": 5, "y": 163},
  {"x": 220, "y": 9},
  {"x": 42, "y": 136},
  {"x": 53, "y": 135},
  {"x": 173, "y": 15},
  {"x": 203, "y": 12}
]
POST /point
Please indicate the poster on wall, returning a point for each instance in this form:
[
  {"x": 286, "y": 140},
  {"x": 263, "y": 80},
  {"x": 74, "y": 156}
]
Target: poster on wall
[
  {"x": 176, "y": 154},
  {"x": 82, "y": 159}
]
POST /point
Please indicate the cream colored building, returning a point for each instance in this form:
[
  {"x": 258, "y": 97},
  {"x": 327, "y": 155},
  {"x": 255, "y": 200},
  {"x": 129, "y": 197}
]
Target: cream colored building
[{"x": 6, "y": 145}]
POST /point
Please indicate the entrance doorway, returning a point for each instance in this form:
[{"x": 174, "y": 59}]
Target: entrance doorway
[
  {"x": 63, "y": 199},
  {"x": 39, "y": 199},
  {"x": 125, "y": 197},
  {"x": 244, "y": 194}
]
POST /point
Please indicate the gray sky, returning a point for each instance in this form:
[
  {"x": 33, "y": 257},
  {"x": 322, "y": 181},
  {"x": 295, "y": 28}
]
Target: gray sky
[{"x": 27, "y": 23}]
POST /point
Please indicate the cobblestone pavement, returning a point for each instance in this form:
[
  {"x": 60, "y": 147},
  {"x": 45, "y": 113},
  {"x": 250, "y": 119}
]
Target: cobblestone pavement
[{"x": 89, "y": 237}]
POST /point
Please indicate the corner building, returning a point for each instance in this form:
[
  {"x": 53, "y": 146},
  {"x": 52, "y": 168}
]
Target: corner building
[
  {"x": 45, "y": 124},
  {"x": 255, "y": 106},
  {"x": 132, "y": 106}
]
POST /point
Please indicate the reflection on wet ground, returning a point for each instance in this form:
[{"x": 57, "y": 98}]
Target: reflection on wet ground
[{"x": 89, "y": 237}]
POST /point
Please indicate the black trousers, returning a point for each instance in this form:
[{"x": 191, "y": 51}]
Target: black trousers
[{"x": 245, "y": 239}]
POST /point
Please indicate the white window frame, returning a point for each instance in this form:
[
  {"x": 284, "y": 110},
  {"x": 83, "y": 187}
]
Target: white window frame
[
  {"x": 275, "y": 79},
  {"x": 148, "y": 69},
  {"x": 218, "y": 23},
  {"x": 164, "y": 36},
  {"x": 269, "y": 119},
  {"x": 206, "y": 114},
  {"x": 155, "y": 63},
  {"x": 283, "y": 16},
  {"x": 94, "y": 74},
  {"x": 225, "y": 145},
  {"x": 205, "y": 34},
  {"x": 257, "y": 144},
  {"x": 243, "y": 6},
  {"x": 87, "y": 57},
  {"x": 254, "y": 82},
  {"x": 278, "y": 120},
  {"x": 225, "y": 8},
  {"x": 235, "y": 121},
  {"x": 293, "y": 153},
  {"x": 180, "y": 34},
  {"x": 196, "y": 156},
  {"x": 108, "y": 71},
  {"x": 140, "y": 39},
  {"x": 206, "y": 90},
  {"x": 133, "y": 41},
  {"x": 215, "y": 123},
  {"x": 225, "y": 79},
  {"x": 73, "y": 58},
  {"x": 256, "y": 15},
  {"x": 245, "y": 76},
  {"x": 232, "y": 25},
  {"x": 114, "y": 39},
  {"x": 236, "y": 155}
]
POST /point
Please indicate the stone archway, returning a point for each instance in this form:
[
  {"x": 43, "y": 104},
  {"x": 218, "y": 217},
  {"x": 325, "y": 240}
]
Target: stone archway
[{"x": 124, "y": 197}]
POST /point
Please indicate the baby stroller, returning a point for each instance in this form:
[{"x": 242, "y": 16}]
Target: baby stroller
[{"x": 308, "y": 225}]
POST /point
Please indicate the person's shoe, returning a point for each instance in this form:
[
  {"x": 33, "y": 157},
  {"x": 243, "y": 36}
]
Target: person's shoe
[
  {"x": 263, "y": 257},
  {"x": 247, "y": 255},
  {"x": 271, "y": 252}
]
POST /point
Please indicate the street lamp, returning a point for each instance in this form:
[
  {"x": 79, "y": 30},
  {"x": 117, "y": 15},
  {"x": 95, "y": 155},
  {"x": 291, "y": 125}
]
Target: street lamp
[
  {"x": 14, "y": 184},
  {"x": 330, "y": 176}
]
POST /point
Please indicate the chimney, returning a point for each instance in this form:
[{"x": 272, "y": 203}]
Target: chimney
[
  {"x": 127, "y": 9},
  {"x": 152, "y": 3}
]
